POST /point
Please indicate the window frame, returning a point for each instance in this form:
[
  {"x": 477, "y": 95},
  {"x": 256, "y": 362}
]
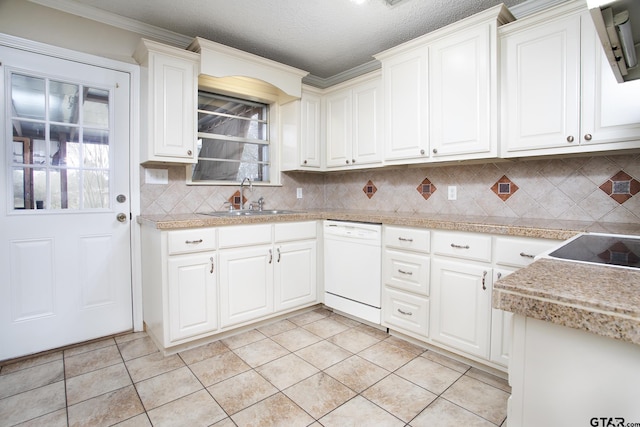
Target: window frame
[{"x": 272, "y": 142}]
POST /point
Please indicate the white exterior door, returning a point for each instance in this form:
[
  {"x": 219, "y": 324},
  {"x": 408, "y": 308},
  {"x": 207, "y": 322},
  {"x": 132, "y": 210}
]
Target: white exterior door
[{"x": 65, "y": 214}]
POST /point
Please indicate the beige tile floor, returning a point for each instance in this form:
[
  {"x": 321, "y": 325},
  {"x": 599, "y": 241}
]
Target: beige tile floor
[{"x": 314, "y": 369}]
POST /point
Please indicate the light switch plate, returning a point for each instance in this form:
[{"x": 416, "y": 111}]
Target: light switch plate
[
  {"x": 452, "y": 192},
  {"x": 156, "y": 176},
  {"x": 299, "y": 193}
]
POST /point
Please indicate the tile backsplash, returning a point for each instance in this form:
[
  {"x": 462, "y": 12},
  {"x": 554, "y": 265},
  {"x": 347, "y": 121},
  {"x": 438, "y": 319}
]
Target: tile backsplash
[{"x": 578, "y": 188}]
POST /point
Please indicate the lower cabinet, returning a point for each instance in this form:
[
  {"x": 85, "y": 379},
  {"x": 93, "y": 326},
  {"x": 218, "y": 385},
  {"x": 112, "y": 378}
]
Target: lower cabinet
[
  {"x": 193, "y": 302},
  {"x": 246, "y": 284},
  {"x": 461, "y": 306},
  {"x": 203, "y": 281}
]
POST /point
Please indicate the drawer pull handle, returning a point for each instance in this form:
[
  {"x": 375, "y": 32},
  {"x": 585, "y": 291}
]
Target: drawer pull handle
[
  {"x": 278, "y": 254},
  {"x": 193, "y": 242},
  {"x": 406, "y": 313},
  {"x": 408, "y": 273},
  {"x": 453, "y": 245},
  {"x": 212, "y": 265},
  {"x": 522, "y": 254},
  {"x": 484, "y": 276},
  {"x": 404, "y": 239}
]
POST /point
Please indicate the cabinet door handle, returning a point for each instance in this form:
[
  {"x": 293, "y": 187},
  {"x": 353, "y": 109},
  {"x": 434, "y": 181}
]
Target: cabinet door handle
[
  {"x": 193, "y": 242},
  {"x": 570, "y": 138},
  {"x": 484, "y": 277},
  {"x": 278, "y": 254},
  {"x": 404, "y": 239},
  {"x": 499, "y": 275},
  {"x": 212, "y": 265},
  {"x": 408, "y": 273},
  {"x": 189, "y": 152},
  {"x": 524, "y": 255},
  {"x": 453, "y": 245},
  {"x": 406, "y": 313},
  {"x": 270, "y": 256},
  {"x": 588, "y": 137}
]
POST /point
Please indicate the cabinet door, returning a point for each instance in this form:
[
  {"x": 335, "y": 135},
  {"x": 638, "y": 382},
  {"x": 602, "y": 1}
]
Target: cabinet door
[
  {"x": 338, "y": 125},
  {"x": 295, "y": 274},
  {"x": 192, "y": 295},
  {"x": 610, "y": 110},
  {"x": 460, "y": 94},
  {"x": 461, "y": 305},
  {"x": 406, "y": 106},
  {"x": 310, "y": 132},
  {"x": 367, "y": 123},
  {"x": 541, "y": 87},
  {"x": 500, "y": 327},
  {"x": 173, "y": 90},
  {"x": 246, "y": 284}
]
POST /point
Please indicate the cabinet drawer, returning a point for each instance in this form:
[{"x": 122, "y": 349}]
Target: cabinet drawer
[
  {"x": 244, "y": 235},
  {"x": 295, "y": 231},
  {"x": 405, "y": 270},
  {"x": 519, "y": 252},
  {"x": 470, "y": 246},
  {"x": 412, "y": 239},
  {"x": 405, "y": 312},
  {"x": 192, "y": 240}
]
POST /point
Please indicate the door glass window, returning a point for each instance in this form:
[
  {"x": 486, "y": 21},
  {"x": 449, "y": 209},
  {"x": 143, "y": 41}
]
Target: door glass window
[{"x": 61, "y": 144}]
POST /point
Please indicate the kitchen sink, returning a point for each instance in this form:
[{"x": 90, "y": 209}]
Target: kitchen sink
[{"x": 243, "y": 212}]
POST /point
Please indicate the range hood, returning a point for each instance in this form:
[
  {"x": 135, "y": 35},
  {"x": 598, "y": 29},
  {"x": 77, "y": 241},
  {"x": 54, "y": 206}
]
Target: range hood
[{"x": 618, "y": 25}]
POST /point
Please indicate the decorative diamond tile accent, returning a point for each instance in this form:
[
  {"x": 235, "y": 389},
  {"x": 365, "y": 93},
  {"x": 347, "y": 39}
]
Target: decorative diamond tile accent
[
  {"x": 504, "y": 188},
  {"x": 235, "y": 200},
  {"x": 369, "y": 189},
  {"x": 621, "y": 187},
  {"x": 426, "y": 188}
]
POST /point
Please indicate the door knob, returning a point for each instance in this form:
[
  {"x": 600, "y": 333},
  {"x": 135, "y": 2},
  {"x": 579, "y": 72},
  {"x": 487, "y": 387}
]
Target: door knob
[{"x": 121, "y": 217}]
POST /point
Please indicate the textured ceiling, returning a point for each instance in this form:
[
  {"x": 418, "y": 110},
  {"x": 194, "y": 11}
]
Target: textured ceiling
[{"x": 323, "y": 37}]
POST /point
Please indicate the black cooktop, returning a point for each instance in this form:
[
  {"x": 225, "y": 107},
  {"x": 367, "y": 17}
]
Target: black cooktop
[{"x": 602, "y": 249}]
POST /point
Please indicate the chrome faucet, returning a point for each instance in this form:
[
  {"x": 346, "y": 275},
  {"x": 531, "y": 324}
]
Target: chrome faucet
[{"x": 242, "y": 191}]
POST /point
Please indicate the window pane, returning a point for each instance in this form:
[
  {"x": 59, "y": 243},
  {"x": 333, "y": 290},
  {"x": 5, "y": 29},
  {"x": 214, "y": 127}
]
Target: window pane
[
  {"x": 229, "y": 126},
  {"x": 95, "y": 108},
  {"x": 64, "y": 147},
  {"x": 63, "y": 102},
  {"x": 65, "y": 193},
  {"x": 28, "y": 97},
  {"x": 96, "y": 189},
  {"x": 96, "y": 148},
  {"x": 40, "y": 188},
  {"x": 24, "y": 129}
]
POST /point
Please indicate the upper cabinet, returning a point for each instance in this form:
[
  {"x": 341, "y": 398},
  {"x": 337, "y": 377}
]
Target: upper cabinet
[
  {"x": 353, "y": 123},
  {"x": 441, "y": 92},
  {"x": 169, "y": 88},
  {"x": 559, "y": 95},
  {"x": 300, "y": 127}
]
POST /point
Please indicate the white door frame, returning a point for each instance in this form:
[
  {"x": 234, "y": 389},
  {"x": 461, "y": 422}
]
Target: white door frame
[{"x": 134, "y": 152}]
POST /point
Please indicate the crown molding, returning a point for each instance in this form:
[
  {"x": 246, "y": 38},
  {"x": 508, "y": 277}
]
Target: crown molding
[{"x": 179, "y": 40}]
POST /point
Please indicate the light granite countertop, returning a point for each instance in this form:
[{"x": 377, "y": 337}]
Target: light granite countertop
[
  {"x": 603, "y": 300},
  {"x": 600, "y": 299}
]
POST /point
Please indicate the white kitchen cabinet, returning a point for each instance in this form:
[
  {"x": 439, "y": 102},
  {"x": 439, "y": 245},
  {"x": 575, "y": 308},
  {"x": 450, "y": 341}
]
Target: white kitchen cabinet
[
  {"x": 179, "y": 284},
  {"x": 406, "y": 127},
  {"x": 169, "y": 90},
  {"x": 461, "y": 305},
  {"x": 353, "y": 117},
  {"x": 463, "y": 94},
  {"x": 301, "y": 132},
  {"x": 192, "y": 298},
  {"x": 266, "y": 269},
  {"x": 405, "y": 276},
  {"x": 246, "y": 284},
  {"x": 501, "y": 324},
  {"x": 559, "y": 95}
]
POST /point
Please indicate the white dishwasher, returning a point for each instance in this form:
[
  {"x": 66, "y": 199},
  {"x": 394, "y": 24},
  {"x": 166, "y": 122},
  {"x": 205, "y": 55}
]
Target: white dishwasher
[{"x": 352, "y": 265}]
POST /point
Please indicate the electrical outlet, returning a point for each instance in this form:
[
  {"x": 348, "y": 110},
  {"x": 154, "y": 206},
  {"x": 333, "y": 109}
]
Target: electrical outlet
[
  {"x": 452, "y": 192},
  {"x": 156, "y": 176},
  {"x": 298, "y": 193}
]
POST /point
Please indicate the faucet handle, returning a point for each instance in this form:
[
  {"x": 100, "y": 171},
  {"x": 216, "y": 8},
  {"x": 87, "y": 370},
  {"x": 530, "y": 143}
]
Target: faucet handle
[
  {"x": 260, "y": 203},
  {"x": 229, "y": 204}
]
